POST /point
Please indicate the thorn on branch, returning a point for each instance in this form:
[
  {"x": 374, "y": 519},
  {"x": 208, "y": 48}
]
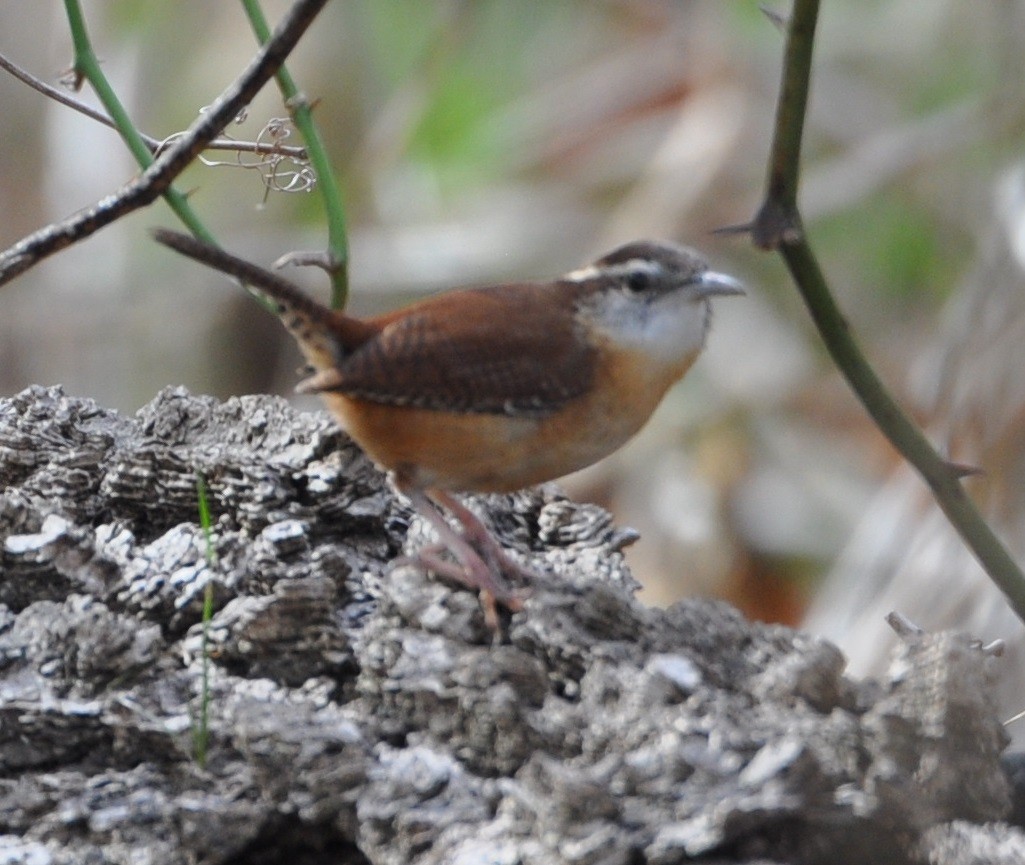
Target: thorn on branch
[
  {"x": 960, "y": 470},
  {"x": 730, "y": 230},
  {"x": 776, "y": 225},
  {"x": 778, "y": 19},
  {"x": 298, "y": 101},
  {"x": 324, "y": 260},
  {"x": 71, "y": 78}
]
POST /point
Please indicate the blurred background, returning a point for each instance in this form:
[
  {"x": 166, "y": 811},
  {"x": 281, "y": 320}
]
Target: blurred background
[{"x": 486, "y": 140}]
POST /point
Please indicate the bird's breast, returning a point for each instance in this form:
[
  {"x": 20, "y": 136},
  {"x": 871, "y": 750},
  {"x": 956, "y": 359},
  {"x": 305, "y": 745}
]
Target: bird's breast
[{"x": 496, "y": 452}]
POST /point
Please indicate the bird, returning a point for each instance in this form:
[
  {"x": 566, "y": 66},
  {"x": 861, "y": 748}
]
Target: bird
[{"x": 496, "y": 388}]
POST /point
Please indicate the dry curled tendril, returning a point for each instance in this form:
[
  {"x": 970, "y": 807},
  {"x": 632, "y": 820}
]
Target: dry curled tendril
[{"x": 280, "y": 170}]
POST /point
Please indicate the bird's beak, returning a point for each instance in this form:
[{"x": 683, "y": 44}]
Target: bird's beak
[{"x": 710, "y": 284}]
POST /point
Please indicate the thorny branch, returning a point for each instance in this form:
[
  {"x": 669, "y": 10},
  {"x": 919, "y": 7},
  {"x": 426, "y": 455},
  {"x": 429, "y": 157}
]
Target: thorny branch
[{"x": 777, "y": 226}]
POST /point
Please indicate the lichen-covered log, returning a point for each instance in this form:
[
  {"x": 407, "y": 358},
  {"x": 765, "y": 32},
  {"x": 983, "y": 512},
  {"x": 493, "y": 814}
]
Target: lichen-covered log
[{"x": 360, "y": 711}]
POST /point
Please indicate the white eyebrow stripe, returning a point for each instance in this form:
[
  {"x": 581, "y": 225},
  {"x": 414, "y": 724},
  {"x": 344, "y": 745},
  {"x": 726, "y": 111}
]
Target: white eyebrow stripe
[
  {"x": 582, "y": 274},
  {"x": 623, "y": 268},
  {"x": 634, "y": 265}
]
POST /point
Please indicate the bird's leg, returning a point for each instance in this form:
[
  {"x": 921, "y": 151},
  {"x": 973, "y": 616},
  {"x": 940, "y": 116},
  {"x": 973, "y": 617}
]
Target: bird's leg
[
  {"x": 472, "y": 571},
  {"x": 477, "y": 534}
]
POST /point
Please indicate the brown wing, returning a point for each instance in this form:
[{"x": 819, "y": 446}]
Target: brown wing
[{"x": 500, "y": 350}]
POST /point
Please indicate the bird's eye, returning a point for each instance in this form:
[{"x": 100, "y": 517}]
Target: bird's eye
[{"x": 638, "y": 280}]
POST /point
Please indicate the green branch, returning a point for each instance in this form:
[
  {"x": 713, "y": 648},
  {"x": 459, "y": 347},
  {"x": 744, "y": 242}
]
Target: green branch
[
  {"x": 88, "y": 67},
  {"x": 337, "y": 262}
]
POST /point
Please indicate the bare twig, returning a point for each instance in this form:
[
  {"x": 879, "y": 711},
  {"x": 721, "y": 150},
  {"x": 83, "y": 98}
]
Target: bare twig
[
  {"x": 152, "y": 182},
  {"x": 154, "y": 144},
  {"x": 777, "y": 226}
]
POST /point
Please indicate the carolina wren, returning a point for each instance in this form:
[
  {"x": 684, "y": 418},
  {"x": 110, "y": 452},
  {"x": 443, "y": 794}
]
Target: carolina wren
[{"x": 498, "y": 388}]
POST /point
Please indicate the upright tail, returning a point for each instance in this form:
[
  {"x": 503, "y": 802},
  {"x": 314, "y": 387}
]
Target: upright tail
[
  {"x": 324, "y": 335},
  {"x": 263, "y": 281}
]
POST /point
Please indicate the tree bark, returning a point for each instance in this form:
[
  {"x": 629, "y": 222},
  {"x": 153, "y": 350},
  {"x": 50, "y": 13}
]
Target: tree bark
[{"x": 360, "y": 711}]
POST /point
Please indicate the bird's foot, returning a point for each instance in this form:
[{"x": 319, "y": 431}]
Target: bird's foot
[
  {"x": 480, "y": 563},
  {"x": 474, "y": 573}
]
